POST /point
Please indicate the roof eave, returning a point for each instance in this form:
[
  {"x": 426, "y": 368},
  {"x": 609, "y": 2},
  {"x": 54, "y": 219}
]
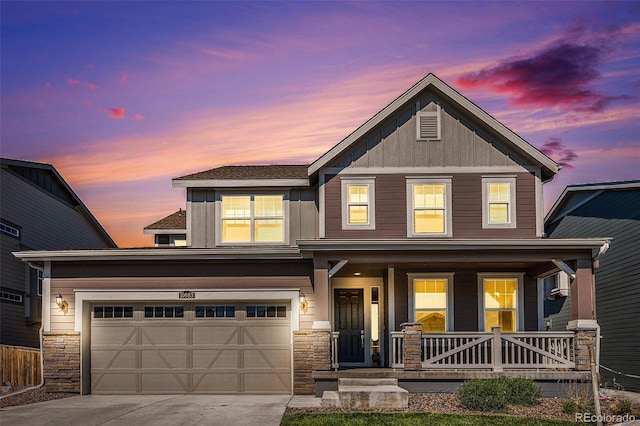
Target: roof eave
[
  {"x": 240, "y": 183},
  {"x": 183, "y": 253}
]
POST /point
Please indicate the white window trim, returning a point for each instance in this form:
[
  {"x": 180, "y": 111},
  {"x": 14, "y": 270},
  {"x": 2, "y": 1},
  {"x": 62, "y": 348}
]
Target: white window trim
[
  {"x": 218, "y": 218},
  {"x": 10, "y": 230},
  {"x": 519, "y": 296},
  {"x": 370, "y": 183},
  {"x": 411, "y": 181},
  {"x": 412, "y": 290},
  {"x": 511, "y": 180},
  {"x": 11, "y": 296}
]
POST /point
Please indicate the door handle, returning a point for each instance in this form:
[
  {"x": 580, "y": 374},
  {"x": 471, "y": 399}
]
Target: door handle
[{"x": 362, "y": 337}]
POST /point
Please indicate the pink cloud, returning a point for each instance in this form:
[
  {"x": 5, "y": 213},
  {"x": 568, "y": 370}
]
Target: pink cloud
[
  {"x": 555, "y": 148},
  {"x": 561, "y": 74},
  {"x": 116, "y": 113},
  {"x": 138, "y": 117},
  {"x": 124, "y": 78}
]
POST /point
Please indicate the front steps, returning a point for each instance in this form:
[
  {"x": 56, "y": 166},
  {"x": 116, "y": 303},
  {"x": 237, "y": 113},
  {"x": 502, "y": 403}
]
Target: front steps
[{"x": 366, "y": 394}]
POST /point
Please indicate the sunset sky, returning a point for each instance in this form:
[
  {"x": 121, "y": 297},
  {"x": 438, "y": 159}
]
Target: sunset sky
[{"x": 121, "y": 97}]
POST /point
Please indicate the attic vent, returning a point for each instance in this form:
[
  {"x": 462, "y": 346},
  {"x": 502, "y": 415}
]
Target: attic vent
[{"x": 428, "y": 127}]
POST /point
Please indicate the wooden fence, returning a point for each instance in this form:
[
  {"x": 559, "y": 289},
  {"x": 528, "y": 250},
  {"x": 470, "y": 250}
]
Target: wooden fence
[{"x": 20, "y": 366}]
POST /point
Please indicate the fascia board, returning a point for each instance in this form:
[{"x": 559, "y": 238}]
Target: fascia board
[
  {"x": 288, "y": 253},
  {"x": 445, "y": 244},
  {"x": 244, "y": 183},
  {"x": 163, "y": 231}
]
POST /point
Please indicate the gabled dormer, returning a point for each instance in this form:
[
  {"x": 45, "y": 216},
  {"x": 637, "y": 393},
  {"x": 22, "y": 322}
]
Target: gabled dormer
[{"x": 261, "y": 205}]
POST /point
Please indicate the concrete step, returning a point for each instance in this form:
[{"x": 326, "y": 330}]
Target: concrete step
[
  {"x": 366, "y": 394},
  {"x": 367, "y": 382}
]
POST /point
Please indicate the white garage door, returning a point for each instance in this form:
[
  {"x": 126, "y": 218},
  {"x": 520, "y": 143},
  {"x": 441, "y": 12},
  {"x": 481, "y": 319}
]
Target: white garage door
[{"x": 208, "y": 348}]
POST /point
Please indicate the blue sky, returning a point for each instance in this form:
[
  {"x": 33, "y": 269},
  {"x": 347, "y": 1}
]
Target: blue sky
[{"x": 123, "y": 96}]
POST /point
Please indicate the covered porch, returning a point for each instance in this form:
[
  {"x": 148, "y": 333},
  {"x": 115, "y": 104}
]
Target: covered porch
[{"x": 465, "y": 336}]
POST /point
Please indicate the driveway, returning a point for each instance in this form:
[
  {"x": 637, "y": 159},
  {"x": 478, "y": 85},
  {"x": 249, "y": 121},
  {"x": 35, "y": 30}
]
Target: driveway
[{"x": 157, "y": 410}]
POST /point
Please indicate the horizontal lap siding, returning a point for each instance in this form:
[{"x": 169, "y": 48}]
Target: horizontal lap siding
[
  {"x": 391, "y": 208},
  {"x": 614, "y": 214}
]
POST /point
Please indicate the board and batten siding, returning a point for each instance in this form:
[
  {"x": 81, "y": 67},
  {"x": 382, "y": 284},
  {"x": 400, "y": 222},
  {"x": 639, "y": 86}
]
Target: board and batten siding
[
  {"x": 614, "y": 214},
  {"x": 465, "y": 142},
  {"x": 201, "y": 211},
  {"x": 466, "y": 193}
]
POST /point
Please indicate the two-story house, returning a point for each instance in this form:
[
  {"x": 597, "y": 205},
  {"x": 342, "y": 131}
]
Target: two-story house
[
  {"x": 38, "y": 211},
  {"x": 414, "y": 246}
]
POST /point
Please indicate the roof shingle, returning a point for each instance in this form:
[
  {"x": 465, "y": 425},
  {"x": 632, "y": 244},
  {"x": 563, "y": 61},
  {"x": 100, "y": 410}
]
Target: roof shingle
[
  {"x": 252, "y": 172},
  {"x": 177, "y": 220}
]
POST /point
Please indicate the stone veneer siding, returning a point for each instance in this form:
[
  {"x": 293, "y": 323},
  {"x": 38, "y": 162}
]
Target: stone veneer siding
[
  {"x": 412, "y": 346},
  {"x": 61, "y": 355},
  {"x": 583, "y": 341},
  {"x": 311, "y": 352}
]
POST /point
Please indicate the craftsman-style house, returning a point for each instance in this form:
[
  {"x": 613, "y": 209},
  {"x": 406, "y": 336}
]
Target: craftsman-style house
[{"x": 414, "y": 247}]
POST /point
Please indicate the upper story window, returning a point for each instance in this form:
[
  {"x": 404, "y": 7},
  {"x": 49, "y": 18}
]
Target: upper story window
[
  {"x": 358, "y": 203},
  {"x": 432, "y": 301},
  {"x": 429, "y": 207},
  {"x": 252, "y": 219},
  {"x": 498, "y": 202},
  {"x": 8, "y": 229},
  {"x": 501, "y": 301}
]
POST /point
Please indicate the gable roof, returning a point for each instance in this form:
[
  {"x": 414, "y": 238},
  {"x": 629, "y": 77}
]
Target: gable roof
[
  {"x": 177, "y": 221},
  {"x": 575, "y": 196},
  {"x": 548, "y": 166},
  {"x": 249, "y": 175},
  {"x": 58, "y": 188}
]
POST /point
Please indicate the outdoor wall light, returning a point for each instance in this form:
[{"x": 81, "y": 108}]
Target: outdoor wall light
[
  {"x": 304, "y": 305},
  {"x": 62, "y": 304}
]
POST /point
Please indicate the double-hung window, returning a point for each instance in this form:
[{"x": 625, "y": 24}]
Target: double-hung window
[
  {"x": 429, "y": 207},
  {"x": 501, "y": 301},
  {"x": 252, "y": 218},
  {"x": 498, "y": 202},
  {"x": 358, "y": 203},
  {"x": 431, "y": 298}
]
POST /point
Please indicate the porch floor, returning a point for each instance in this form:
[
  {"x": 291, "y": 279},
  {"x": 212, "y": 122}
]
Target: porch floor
[
  {"x": 554, "y": 383},
  {"x": 443, "y": 374}
]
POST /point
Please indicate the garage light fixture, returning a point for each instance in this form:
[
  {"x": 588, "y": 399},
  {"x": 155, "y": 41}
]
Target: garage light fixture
[
  {"x": 62, "y": 304},
  {"x": 303, "y": 302}
]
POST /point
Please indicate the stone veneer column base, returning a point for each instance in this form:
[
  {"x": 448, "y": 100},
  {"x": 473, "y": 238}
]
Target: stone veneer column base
[
  {"x": 61, "y": 356},
  {"x": 311, "y": 351},
  {"x": 412, "y": 346},
  {"x": 587, "y": 332}
]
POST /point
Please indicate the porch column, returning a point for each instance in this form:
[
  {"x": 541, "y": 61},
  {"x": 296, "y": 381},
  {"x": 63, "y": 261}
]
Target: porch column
[
  {"x": 321, "y": 325},
  {"x": 582, "y": 292},
  {"x": 321, "y": 292},
  {"x": 583, "y": 322}
]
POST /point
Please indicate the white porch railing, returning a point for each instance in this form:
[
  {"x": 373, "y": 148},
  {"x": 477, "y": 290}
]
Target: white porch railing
[
  {"x": 335, "y": 363},
  {"x": 397, "y": 355},
  {"x": 493, "y": 351}
]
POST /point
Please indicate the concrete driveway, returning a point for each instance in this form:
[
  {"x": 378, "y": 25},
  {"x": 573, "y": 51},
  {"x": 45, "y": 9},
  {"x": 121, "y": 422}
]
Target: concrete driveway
[{"x": 157, "y": 410}]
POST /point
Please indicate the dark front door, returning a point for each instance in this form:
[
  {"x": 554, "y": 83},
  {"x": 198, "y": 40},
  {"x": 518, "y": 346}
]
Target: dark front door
[{"x": 349, "y": 321}]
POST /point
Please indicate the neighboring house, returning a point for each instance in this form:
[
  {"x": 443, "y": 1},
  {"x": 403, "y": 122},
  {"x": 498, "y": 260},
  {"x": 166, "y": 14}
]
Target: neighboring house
[
  {"x": 404, "y": 246},
  {"x": 610, "y": 209},
  {"x": 38, "y": 211}
]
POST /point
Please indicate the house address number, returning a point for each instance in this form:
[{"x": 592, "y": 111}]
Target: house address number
[{"x": 186, "y": 295}]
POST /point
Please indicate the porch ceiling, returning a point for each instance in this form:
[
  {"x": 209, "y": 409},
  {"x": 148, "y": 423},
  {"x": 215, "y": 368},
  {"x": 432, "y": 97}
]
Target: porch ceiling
[{"x": 359, "y": 268}]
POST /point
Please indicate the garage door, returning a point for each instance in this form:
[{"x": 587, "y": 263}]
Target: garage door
[{"x": 204, "y": 348}]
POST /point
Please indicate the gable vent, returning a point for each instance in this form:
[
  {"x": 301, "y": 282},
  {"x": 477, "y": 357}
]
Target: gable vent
[{"x": 428, "y": 125}]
